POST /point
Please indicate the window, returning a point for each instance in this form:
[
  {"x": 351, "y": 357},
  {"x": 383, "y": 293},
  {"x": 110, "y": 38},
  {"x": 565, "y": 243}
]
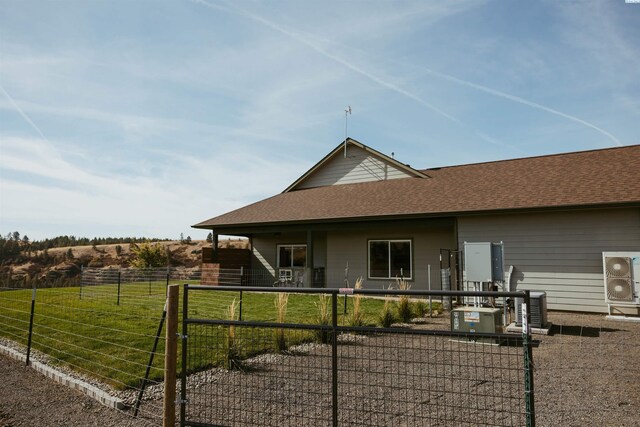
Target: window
[
  {"x": 290, "y": 256},
  {"x": 389, "y": 259}
]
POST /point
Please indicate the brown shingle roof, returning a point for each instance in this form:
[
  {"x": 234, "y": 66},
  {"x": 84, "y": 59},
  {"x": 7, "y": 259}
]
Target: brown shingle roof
[{"x": 598, "y": 177}]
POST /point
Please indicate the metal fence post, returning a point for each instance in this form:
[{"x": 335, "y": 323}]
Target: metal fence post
[
  {"x": 429, "y": 282},
  {"x": 151, "y": 356},
  {"x": 183, "y": 382},
  {"x": 240, "y": 305},
  {"x": 118, "y": 302},
  {"x": 528, "y": 362},
  {"x": 170, "y": 358},
  {"x": 33, "y": 306},
  {"x": 81, "y": 279},
  {"x": 166, "y": 288},
  {"x": 334, "y": 357}
]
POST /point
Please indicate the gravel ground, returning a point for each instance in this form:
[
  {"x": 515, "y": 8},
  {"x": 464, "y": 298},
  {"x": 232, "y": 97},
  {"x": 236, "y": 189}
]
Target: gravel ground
[
  {"x": 587, "y": 373},
  {"x": 28, "y": 398}
]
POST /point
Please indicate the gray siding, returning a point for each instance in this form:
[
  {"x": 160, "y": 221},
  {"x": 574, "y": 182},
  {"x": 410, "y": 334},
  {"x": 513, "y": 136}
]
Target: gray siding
[
  {"x": 352, "y": 247},
  {"x": 559, "y": 252},
  {"x": 264, "y": 251},
  {"x": 359, "y": 166}
]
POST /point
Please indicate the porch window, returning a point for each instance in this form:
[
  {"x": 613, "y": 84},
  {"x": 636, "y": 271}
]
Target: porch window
[
  {"x": 292, "y": 256},
  {"x": 389, "y": 259}
]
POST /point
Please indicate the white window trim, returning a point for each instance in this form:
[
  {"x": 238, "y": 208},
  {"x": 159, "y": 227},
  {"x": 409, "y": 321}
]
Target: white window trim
[{"x": 389, "y": 241}]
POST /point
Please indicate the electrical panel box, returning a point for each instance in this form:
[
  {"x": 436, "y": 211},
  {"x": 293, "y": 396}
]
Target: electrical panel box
[
  {"x": 477, "y": 261},
  {"x": 477, "y": 320},
  {"x": 484, "y": 262}
]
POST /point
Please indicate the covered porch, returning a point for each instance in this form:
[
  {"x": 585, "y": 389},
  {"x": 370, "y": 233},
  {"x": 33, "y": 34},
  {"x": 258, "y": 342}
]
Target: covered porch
[{"x": 335, "y": 254}]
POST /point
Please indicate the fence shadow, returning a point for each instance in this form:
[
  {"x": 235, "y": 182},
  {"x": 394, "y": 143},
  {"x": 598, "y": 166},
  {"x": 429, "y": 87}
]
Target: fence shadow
[{"x": 580, "y": 331}]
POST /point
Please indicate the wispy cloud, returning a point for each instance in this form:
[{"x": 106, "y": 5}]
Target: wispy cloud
[
  {"x": 384, "y": 82},
  {"x": 191, "y": 187}
]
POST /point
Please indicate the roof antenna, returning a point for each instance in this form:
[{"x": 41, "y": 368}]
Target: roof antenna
[{"x": 347, "y": 112}]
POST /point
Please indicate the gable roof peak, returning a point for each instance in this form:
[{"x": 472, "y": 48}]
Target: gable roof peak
[{"x": 342, "y": 149}]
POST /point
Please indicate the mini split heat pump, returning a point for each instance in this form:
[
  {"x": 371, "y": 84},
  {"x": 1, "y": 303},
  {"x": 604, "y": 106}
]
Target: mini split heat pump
[{"x": 621, "y": 278}]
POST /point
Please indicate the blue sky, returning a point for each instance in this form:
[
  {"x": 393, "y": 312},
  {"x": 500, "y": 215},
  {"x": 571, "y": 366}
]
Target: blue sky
[{"x": 122, "y": 118}]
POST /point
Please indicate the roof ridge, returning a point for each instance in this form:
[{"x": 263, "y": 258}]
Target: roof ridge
[{"x": 569, "y": 153}]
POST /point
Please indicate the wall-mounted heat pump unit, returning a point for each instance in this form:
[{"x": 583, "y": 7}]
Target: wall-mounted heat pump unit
[
  {"x": 621, "y": 277},
  {"x": 538, "y": 310}
]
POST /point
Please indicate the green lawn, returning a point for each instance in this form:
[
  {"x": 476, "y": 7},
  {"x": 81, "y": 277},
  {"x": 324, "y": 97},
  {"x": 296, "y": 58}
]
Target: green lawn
[{"x": 83, "y": 328}]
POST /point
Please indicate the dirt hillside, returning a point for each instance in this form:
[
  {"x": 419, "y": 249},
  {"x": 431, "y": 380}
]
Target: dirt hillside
[{"x": 67, "y": 262}]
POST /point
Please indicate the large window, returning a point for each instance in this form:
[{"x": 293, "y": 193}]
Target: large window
[
  {"x": 292, "y": 256},
  {"x": 389, "y": 259}
]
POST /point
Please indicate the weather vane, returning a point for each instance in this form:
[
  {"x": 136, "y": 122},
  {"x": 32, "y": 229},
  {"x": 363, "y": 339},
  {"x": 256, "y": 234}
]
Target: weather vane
[{"x": 347, "y": 113}]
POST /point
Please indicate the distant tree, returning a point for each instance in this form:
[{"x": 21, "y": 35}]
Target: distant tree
[
  {"x": 9, "y": 249},
  {"x": 16, "y": 236},
  {"x": 25, "y": 239},
  {"x": 146, "y": 255},
  {"x": 188, "y": 240},
  {"x": 181, "y": 237},
  {"x": 70, "y": 254},
  {"x": 210, "y": 238}
]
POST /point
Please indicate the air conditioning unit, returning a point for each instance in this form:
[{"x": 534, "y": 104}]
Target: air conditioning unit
[
  {"x": 621, "y": 272},
  {"x": 538, "y": 310}
]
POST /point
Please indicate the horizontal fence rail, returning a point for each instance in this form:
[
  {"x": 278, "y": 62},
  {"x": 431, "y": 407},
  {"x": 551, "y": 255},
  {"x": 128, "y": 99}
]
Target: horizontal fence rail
[{"x": 331, "y": 368}]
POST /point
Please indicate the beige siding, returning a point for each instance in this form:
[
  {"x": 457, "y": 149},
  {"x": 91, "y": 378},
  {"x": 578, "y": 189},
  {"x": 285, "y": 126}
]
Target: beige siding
[
  {"x": 359, "y": 166},
  {"x": 560, "y": 252},
  {"x": 352, "y": 247}
]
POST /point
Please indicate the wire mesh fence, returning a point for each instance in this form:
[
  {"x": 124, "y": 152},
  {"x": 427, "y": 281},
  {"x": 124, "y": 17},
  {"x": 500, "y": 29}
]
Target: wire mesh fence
[
  {"x": 588, "y": 371},
  {"x": 311, "y": 371},
  {"x": 111, "y": 350},
  {"x": 122, "y": 282},
  {"x": 276, "y": 372}
]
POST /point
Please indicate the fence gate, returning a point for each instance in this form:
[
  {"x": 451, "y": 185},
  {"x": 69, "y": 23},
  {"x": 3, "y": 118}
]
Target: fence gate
[{"x": 318, "y": 367}]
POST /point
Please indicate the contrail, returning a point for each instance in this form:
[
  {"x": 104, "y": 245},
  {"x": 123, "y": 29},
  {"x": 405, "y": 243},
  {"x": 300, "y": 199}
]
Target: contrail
[
  {"x": 521, "y": 101},
  {"x": 408, "y": 94},
  {"x": 22, "y": 113},
  {"x": 350, "y": 66}
]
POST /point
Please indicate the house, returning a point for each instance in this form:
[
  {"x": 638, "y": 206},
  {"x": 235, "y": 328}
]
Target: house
[{"x": 360, "y": 208}]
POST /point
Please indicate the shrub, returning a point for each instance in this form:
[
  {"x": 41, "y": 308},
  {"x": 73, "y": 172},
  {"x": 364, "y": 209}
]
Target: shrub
[
  {"x": 420, "y": 308},
  {"x": 405, "y": 314},
  {"x": 323, "y": 317},
  {"x": 281, "y": 311},
  {"x": 357, "y": 316},
  {"x": 386, "y": 317},
  {"x": 146, "y": 255},
  {"x": 233, "y": 351}
]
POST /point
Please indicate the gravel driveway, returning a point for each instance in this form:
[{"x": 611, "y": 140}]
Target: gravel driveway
[
  {"x": 28, "y": 398},
  {"x": 587, "y": 373}
]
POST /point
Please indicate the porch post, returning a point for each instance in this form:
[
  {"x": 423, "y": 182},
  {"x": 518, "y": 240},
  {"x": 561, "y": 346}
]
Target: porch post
[
  {"x": 309, "y": 280},
  {"x": 214, "y": 247}
]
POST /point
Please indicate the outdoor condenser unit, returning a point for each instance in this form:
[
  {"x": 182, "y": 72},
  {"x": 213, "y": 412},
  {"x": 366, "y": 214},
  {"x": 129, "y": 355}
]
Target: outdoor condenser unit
[
  {"x": 476, "y": 320},
  {"x": 621, "y": 277},
  {"x": 538, "y": 310}
]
